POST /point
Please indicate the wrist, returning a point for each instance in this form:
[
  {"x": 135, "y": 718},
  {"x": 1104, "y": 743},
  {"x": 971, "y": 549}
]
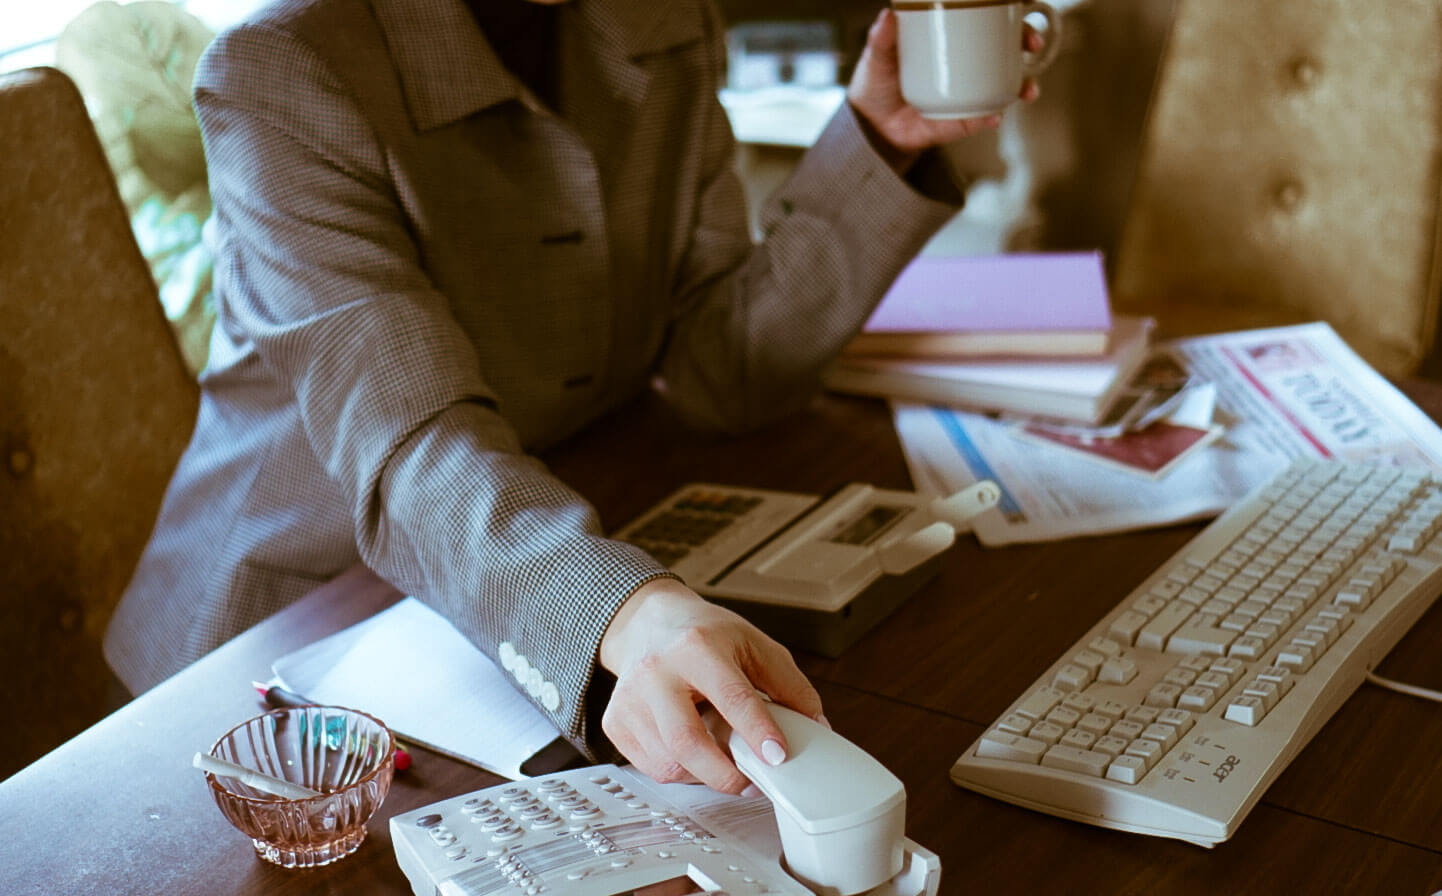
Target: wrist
[
  {"x": 623, "y": 637},
  {"x": 898, "y": 159}
]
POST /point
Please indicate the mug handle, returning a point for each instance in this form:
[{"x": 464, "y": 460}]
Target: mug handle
[{"x": 1035, "y": 65}]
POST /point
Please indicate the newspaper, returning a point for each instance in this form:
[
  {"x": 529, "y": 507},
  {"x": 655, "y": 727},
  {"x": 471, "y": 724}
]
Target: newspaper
[{"x": 1277, "y": 394}]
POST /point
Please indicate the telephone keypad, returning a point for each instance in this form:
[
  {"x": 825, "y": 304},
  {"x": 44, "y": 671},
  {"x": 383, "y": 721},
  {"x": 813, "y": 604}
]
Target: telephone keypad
[{"x": 545, "y": 836}]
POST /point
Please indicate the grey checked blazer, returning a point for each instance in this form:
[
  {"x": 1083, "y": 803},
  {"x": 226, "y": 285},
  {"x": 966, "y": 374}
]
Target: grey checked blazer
[{"x": 422, "y": 273}]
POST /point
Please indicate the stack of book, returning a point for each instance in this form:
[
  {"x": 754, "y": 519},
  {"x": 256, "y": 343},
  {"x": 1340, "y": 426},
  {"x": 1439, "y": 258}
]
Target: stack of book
[{"x": 1022, "y": 334}]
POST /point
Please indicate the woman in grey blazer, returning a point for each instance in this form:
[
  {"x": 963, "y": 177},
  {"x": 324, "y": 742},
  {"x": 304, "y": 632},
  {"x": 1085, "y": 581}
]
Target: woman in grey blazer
[{"x": 436, "y": 253}]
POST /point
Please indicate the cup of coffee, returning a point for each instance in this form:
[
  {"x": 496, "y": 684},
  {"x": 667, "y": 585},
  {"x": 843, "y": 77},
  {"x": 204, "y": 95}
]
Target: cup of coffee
[{"x": 964, "y": 58}]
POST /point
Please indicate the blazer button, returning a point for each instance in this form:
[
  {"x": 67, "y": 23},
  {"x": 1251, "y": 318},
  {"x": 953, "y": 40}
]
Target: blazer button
[
  {"x": 534, "y": 680},
  {"x": 550, "y": 697},
  {"x": 521, "y": 668},
  {"x": 507, "y": 652}
]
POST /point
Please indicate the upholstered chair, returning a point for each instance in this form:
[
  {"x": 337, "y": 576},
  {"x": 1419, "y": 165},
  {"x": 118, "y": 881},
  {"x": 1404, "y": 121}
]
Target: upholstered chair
[
  {"x": 1290, "y": 170},
  {"x": 95, "y": 407}
]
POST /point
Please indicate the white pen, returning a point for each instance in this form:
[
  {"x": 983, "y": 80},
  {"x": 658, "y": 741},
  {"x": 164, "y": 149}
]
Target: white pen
[{"x": 252, "y": 778}]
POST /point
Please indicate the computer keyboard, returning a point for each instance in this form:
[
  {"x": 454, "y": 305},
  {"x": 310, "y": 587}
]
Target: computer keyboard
[{"x": 1173, "y": 714}]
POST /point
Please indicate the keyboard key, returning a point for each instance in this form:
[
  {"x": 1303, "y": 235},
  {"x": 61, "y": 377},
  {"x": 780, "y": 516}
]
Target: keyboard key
[
  {"x": 1199, "y": 640},
  {"x": 1165, "y": 735},
  {"x": 1089, "y": 660},
  {"x": 1112, "y": 746},
  {"x": 1267, "y": 691},
  {"x": 1072, "y": 759},
  {"x": 1297, "y": 657},
  {"x": 1197, "y": 664},
  {"x": 1111, "y": 709},
  {"x": 1197, "y": 698},
  {"x": 1063, "y": 716},
  {"x": 1246, "y": 709},
  {"x": 1180, "y": 719},
  {"x": 1247, "y": 647},
  {"x": 1039, "y": 702},
  {"x": 1144, "y": 714},
  {"x": 1012, "y": 747},
  {"x": 1016, "y": 723},
  {"x": 1214, "y": 680},
  {"x": 1155, "y": 633},
  {"x": 1127, "y": 769},
  {"x": 1148, "y": 750},
  {"x": 1046, "y": 732},
  {"x": 1079, "y": 738},
  {"x": 1163, "y": 695},
  {"x": 1125, "y": 626},
  {"x": 1127, "y": 729},
  {"x": 1182, "y": 678},
  {"x": 1105, "y": 646},
  {"x": 1072, "y": 677},
  {"x": 1117, "y": 670}
]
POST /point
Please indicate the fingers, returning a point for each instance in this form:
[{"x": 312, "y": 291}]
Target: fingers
[
  {"x": 675, "y": 651},
  {"x": 880, "y": 55},
  {"x": 735, "y": 697},
  {"x": 775, "y": 673},
  {"x": 1031, "y": 39},
  {"x": 689, "y": 743}
]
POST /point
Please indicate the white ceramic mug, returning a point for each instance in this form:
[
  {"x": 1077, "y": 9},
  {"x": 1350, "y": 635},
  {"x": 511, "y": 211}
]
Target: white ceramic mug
[{"x": 964, "y": 58}]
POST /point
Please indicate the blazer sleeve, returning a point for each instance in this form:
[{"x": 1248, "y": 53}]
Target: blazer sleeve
[
  {"x": 317, "y": 270},
  {"x": 755, "y": 324}
]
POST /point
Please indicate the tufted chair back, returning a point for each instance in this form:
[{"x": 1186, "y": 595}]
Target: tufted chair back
[
  {"x": 95, "y": 408},
  {"x": 1291, "y": 170}
]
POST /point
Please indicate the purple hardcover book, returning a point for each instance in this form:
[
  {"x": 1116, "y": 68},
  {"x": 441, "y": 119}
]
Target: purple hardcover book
[{"x": 1053, "y": 301}]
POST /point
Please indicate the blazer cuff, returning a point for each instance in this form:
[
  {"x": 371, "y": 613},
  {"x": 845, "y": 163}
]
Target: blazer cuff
[
  {"x": 845, "y": 178},
  {"x": 593, "y": 577}
]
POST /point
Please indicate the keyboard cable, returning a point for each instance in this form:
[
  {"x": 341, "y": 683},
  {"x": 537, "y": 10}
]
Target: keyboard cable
[{"x": 1409, "y": 689}]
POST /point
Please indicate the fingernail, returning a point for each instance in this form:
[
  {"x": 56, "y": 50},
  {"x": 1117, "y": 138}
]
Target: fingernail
[
  {"x": 822, "y": 719},
  {"x": 773, "y": 752},
  {"x": 993, "y": 121},
  {"x": 751, "y": 790}
]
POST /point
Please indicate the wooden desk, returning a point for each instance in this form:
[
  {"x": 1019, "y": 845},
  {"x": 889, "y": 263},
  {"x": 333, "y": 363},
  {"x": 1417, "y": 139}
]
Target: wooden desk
[{"x": 119, "y": 810}]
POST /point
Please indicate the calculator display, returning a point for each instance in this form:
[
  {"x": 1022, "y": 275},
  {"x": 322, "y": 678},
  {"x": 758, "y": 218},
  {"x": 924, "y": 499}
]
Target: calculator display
[{"x": 865, "y": 528}]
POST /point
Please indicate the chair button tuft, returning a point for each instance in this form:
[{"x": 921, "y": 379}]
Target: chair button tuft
[
  {"x": 1303, "y": 71},
  {"x": 1287, "y": 194},
  {"x": 19, "y": 461},
  {"x": 71, "y": 616}
]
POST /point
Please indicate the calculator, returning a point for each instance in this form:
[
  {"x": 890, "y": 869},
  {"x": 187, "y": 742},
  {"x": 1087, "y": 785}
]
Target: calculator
[{"x": 813, "y": 571}]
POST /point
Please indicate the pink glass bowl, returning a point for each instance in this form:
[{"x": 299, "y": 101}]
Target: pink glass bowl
[{"x": 345, "y": 755}]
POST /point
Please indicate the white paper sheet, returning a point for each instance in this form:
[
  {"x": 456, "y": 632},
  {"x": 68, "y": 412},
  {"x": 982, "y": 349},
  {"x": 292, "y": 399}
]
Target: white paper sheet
[
  {"x": 410, "y": 668},
  {"x": 1281, "y": 393}
]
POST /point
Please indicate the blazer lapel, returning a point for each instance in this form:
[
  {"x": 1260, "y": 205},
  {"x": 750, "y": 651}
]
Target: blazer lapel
[
  {"x": 447, "y": 69},
  {"x": 604, "y": 76}
]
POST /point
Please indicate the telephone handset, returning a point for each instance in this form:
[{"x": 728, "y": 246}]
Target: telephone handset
[
  {"x": 841, "y": 814},
  {"x": 610, "y": 831}
]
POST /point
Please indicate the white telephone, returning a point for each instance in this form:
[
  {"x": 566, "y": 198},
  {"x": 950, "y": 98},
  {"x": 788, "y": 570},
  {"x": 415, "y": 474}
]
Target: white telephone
[
  {"x": 609, "y": 831},
  {"x": 813, "y": 571}
]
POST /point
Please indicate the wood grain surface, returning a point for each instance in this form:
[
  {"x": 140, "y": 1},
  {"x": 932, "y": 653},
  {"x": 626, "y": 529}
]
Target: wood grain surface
[{"x": 118, "y": 809}]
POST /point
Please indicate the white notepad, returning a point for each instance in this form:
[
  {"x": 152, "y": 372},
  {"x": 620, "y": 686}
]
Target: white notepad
[{"x": 410, "y": 668}]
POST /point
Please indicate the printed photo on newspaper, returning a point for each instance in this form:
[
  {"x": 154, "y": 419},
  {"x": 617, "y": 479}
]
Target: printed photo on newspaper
[{"x": 1275, "y": 394}]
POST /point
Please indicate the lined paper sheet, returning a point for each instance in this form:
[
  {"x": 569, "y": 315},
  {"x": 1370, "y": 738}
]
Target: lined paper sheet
[{"x": 410, "y": 668}]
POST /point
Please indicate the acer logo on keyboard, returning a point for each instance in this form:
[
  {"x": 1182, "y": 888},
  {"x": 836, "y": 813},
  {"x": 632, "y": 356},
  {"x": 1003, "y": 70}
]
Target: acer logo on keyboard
[{"x": 1228, "y": 764}]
